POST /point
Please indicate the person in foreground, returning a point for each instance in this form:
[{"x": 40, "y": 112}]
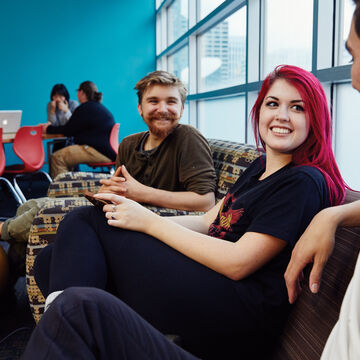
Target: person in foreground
[
  {"x": 317, "y": 243},
  {"x": 215, "y": 280}
]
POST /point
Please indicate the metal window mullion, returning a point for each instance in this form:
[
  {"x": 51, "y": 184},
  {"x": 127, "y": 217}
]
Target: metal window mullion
[
  {"x": 315, "y": 36},
  {"x": 262, "y": 39},
  {"x": 192, "y": 13},
  {"x": 253, "y": 36},
  {"x": 193, "y": 75},
  {"x": 339, "y": 19}
]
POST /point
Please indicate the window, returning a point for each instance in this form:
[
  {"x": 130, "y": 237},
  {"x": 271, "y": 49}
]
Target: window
[
  {"x": 177, "y": 19},
  {"x": 223, "y": 118},
  {"x": 185, "y": 116},
  {"x": 288, "y": 34},
  {"x": 178, "y": 64},
  {"x": 207, "y": 6},
  {"x": 222, "y": 53},
  {"x": 347, "y": 129},
  {"x": 348, "y": 8},
  {"x": 223, "y": 49}
]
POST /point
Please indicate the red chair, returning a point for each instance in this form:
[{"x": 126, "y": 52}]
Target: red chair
[
  {"x": 29, "y": 148},
  {"x": 114, "y": 143},
  {"x": 2, "y": 167}
]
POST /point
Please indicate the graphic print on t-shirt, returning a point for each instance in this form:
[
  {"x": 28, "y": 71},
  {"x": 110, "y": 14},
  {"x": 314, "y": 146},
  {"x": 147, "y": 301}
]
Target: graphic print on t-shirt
[{"x": 226, "y": 218}]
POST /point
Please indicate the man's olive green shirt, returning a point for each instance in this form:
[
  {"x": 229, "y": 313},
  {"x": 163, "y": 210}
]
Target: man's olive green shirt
[{"x": 182, "y": 162}]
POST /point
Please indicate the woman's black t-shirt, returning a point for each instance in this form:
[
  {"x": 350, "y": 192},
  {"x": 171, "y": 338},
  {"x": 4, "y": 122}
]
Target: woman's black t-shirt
[{"x": 282, "y": 205}]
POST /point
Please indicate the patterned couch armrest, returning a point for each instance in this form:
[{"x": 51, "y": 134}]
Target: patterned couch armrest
[
  {"x": 72, "y": 184},
  {"x": 81, "y": 175},
  {"x": 230, "y": 160},
  {"x": 42, "y": 233}
]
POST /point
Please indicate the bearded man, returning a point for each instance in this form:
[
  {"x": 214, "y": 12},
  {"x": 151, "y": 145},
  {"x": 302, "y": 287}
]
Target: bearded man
[{"x": 170, "y": 165}]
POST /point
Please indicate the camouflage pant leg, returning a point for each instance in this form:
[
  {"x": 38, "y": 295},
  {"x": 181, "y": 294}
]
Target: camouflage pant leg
[{"x": 17, "y": 228}]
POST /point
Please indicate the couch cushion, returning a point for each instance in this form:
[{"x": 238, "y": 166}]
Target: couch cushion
[
  {"x": 230, "y": 160},
  {"x": 313, "y": 316}
]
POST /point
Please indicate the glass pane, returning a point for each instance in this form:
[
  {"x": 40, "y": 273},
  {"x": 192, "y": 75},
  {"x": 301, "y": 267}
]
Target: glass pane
[
  {"x": 207, "y": 6},
  {"x": 223, "y": 118},
  {"x": 347, "y": 129},
  {"x": 287, "y": 34},
  {"x": 158, "y": 3},
  {"x": 185, "y": 117},
  {"x": 178, "y": 64},
  {"x": 252, "y": 97},
  {"x": 177, "y": 20},
  {"x": 222, "y": 53},
  {"x": 348, "y": 10}
]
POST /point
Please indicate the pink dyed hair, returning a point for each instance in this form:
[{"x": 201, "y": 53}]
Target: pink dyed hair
[{"x": 316, "y": 150}]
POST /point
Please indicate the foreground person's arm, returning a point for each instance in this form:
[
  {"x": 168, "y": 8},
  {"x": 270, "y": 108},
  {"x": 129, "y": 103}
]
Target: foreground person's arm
[
  {"x": 233, "y": 260},
  {"x": 316, "y": 246}
]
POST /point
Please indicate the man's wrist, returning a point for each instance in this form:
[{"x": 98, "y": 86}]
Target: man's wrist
[{"x": 145, "y": 195}]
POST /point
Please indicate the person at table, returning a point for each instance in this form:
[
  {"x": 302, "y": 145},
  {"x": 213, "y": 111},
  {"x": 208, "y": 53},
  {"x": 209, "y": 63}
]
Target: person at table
[
  {"x": 90, "y": 125},
  {"x": 60, "y": 107},
  {"x": 59, "y": 111},
  {"x": 217, "y": 279}
]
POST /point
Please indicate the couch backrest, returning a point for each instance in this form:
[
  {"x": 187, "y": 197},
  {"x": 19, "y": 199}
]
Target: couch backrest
[
  {"x": 313, "y": 316},
  {"x": 230, "y": 161}
]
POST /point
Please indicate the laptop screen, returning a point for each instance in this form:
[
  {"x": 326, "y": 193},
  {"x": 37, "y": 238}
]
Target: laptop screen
[{"x": 10, "y": 121}]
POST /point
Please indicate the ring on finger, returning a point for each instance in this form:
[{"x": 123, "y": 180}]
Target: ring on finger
[{"x": 114, "y": 208}]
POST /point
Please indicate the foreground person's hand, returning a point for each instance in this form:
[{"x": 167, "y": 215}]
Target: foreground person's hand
[{"x": 315, "y": 245}]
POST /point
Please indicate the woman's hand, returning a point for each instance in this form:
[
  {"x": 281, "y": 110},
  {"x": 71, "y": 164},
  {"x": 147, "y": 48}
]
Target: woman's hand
[
  {"x": 63, "y": 106},
  {"x": 125, "y": 213},
  {"x": 52, "y": 107}
]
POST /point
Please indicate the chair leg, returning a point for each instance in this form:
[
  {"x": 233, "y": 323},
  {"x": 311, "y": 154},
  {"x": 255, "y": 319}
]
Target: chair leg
[
  {"x": 18, "y": 190},
  {"x": 16, "y": 195},
  {"x": 47, "y": 176},
  {"x": 17, "y": 187}
]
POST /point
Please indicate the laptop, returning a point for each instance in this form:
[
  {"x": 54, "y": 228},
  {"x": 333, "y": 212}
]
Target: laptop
[{"x": 10, "y": 121}]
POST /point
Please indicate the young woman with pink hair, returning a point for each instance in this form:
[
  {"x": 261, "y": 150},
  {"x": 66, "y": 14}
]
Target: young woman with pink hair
[{"x": 215, "y": 280}]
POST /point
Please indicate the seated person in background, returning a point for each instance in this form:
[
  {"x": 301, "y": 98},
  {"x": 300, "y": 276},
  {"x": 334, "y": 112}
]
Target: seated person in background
[
  {"x": 59, "y": 111},
  {"x": 90, "y": 126},
  {"x": 178, "y": 173},
  {"x": 215, "y": 280},
  {"x": 170, "y": 165},
  {"x": 60, "y": 108}
]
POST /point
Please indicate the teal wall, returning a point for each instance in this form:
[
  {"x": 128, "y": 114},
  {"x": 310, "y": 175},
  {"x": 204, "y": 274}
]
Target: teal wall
[{"x": 110, "y": 42}]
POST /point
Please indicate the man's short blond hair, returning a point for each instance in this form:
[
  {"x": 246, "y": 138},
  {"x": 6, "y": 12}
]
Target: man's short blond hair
[{"x": 160, "y": 77}]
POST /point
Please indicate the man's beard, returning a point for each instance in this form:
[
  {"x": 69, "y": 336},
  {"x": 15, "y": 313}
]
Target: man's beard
[{"x": 162, "y": 132}]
